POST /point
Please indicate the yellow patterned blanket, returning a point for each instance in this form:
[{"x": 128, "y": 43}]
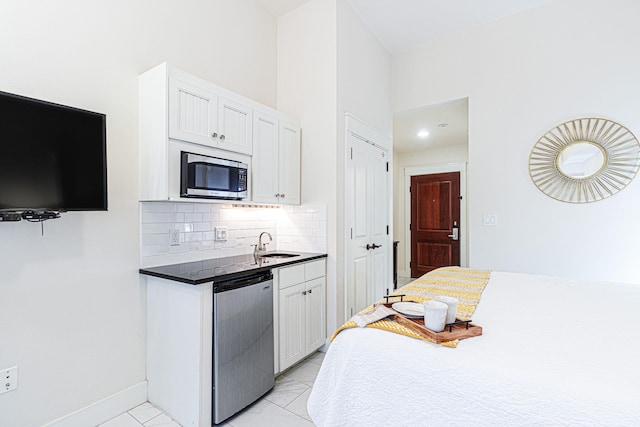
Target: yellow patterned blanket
[{"x": 462, "y": 283}]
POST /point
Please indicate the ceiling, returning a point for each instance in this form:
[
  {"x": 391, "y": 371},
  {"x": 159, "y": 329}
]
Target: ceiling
[
  {"x": 446, "y": 123},
  {"x": 404, "y": 24}
]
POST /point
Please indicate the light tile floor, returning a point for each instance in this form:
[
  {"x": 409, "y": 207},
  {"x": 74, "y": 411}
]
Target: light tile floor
[{"x": 284, "y": 406}]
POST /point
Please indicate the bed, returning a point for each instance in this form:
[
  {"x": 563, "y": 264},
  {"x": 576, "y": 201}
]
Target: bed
[{"x": 553, "y": 351}]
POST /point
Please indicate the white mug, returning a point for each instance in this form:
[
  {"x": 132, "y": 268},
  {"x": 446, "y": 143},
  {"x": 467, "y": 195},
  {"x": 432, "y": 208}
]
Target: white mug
[
  {"x": 435, "y": 314},
  {"x": 452, "y": 304}
]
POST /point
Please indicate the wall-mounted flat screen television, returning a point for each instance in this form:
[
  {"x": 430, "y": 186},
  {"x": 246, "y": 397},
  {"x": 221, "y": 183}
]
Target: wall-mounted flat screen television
[{"x": 52, "y": 157}]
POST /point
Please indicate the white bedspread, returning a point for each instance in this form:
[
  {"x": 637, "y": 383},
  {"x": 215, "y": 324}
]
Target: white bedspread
[{"x": 553, "y": 352}]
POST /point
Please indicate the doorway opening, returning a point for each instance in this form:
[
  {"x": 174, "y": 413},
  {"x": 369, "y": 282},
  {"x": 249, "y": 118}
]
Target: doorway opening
[{"x": 443, "y": 150}]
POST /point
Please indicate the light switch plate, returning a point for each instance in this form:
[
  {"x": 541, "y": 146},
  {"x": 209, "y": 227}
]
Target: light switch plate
[
  {"x": 221, "y": 234},
  {"x": 490, "y": 220}
]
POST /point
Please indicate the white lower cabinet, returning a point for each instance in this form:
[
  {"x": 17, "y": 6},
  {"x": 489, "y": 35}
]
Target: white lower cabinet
[{"x": 301, "y": 311}]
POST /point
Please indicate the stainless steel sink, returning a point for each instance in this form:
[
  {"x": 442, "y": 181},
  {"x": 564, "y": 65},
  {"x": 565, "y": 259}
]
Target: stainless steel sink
[{"x": 278, "y": 255}]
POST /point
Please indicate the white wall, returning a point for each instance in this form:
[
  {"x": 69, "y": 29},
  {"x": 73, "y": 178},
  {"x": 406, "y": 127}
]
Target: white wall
[
  {"x": 524, "y": 75},
  {"x": 323, "y": 48},
  {"x": 434, "y": 156},
  {"x": 72, "y": 310},
  {"x": 307, "y": 88},
  {"x": 364, "y": 90}
]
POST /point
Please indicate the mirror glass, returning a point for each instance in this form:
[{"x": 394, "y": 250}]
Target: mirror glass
[{"x": 581, "y": 159}]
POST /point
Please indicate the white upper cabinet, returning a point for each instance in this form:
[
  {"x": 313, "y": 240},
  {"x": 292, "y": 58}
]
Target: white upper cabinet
[
  {"x": 193, "y": 113},
  {"x": 235, "y": 126},
  {"x": 199, "y": 115},
  {"x": 180, "y": 112},
  {"x": 265, "y": 158},
  {"x": 276, "y": 160},
  {"x": 289, "y": 163}
]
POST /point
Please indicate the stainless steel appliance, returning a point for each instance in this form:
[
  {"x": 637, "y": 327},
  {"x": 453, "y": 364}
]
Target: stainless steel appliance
[
  {"x": 212, "y": 177},
  {"x": 242, "y": 343}
]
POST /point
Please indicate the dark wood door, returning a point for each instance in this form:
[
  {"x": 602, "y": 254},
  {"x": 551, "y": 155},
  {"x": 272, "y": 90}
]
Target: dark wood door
[{"x": 435, "y": 212}]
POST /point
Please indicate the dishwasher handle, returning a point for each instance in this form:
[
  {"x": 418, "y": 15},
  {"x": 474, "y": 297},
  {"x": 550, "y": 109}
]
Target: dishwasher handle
[{"x": 241, "y": 282}]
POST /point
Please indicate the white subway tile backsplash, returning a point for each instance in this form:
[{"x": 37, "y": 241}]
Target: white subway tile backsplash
[
  {"x": 193, "y": 217},
  {"x": 156, "y": 217},
  {"x": 146, "y": 229},
  {"x": 184, "y": 207},
  {"x": 159, "y": 207},
  {"x": 202, "y": 226},
  {"x": 192, "y": 237},
  {"x": 295, "y": 228}
]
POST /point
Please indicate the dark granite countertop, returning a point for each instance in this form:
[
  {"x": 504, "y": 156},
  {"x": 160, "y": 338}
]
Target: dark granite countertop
[{"x": 220, "y": 269}]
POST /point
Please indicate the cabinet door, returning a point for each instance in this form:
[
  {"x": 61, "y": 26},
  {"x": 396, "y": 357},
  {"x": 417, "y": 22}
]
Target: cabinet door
[
  {"x": 315, "y": 314},
  {"x": 289, "y": 164},
  {"x": 235, "y": 127},
  {"x": 292, "y": 320},
  {"x": 193, "y": 113},
  {"x": 265, "y": 159}
]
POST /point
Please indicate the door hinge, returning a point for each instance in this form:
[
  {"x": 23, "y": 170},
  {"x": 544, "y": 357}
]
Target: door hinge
[
  {"x": 387, "y": 291},
  {"x": 409, "y": 264},
  {"x": 351, "y": 153},
  {"x": 387, "y": 229},
  {"x": 459, "y": 197},
  {"x": 409, "y": 226},
  {"x": 387, "y": 166},
  {"x": 352, "y": 233},
  {"x": 409, "y": 189}
]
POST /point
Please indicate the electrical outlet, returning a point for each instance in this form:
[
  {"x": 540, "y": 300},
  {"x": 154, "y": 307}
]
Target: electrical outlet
[
  {"x": 8, "y": 379},
  {"x": 174, "y": 237},
  {"x": 221, "y": 234}
]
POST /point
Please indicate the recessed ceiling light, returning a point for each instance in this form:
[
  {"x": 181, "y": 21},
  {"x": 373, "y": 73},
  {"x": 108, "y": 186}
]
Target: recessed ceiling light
[
  {"x": 443, "y": 125},
  {"x": 423, "y": 134}
]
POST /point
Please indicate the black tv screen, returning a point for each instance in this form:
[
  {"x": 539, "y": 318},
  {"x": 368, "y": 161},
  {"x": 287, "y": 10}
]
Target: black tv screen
[{"x": 52, "y": 157}]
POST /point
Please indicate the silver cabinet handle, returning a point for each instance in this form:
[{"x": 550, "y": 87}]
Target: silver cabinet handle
[
  {"x": 214, "y": 135},
  {"x": 310, "y": 290},
  {"x": 282, "y": 195},
  {"x": 277, "y": 195},
  {"x": 221, "y": 137},
  {"x": 304, "y": 293}
]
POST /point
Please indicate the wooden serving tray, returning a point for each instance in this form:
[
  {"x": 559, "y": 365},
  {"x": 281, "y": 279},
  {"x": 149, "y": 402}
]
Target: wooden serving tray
[{"x": 458, "y": 331}]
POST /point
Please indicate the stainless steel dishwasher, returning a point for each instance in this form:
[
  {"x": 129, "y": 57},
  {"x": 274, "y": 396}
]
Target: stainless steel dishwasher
[{"x": 242, "y": 343}]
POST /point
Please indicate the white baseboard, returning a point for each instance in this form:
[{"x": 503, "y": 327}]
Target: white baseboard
[{"x": 105, "y": 409}]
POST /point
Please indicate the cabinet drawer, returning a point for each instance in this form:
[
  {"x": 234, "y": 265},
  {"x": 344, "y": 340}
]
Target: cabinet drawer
[
  {"x": 291, "y": 276},
  {"x": 314, "y": 269}
]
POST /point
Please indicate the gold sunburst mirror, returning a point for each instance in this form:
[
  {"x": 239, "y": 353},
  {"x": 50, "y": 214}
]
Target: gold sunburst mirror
[{"x": 584, "y": 160}]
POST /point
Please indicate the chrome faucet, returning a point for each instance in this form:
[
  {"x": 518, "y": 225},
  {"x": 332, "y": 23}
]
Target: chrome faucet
[{"x": 261, "y": 247}]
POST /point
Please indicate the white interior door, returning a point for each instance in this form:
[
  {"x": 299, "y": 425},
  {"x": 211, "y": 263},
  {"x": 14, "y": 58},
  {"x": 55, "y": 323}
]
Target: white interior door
[{"x": 368, "y": 220}]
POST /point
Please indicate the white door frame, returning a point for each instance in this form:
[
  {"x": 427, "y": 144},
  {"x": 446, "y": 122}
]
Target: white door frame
[{"x": 464, "y": 230}]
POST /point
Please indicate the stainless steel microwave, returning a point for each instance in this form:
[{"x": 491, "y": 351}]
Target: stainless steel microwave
[{"x": 212, "y": 177}]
